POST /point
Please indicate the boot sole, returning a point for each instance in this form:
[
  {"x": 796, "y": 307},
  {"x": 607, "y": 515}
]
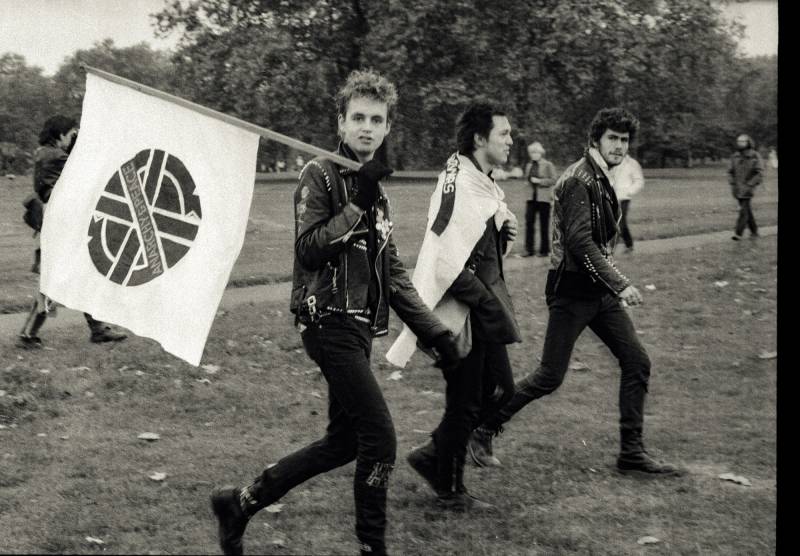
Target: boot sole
[{"x": 646, "y": 475}]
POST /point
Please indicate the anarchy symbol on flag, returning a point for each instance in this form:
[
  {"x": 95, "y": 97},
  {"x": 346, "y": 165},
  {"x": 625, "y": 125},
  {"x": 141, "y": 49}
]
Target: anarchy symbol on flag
[{"x": 145, "y": 220}]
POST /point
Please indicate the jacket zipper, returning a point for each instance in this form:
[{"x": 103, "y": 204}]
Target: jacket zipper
[{"x": 378, "y": 276}]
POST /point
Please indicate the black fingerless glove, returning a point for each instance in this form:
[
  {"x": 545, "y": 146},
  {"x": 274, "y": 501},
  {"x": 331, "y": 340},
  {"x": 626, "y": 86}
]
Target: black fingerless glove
[{"x": 368, "y": 177}]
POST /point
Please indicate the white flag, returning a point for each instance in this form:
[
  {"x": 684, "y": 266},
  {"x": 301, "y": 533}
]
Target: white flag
[{"x": 149, "y": 214}]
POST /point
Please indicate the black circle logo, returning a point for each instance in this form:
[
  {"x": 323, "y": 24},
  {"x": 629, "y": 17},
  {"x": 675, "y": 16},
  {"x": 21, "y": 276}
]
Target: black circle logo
[{"x": 146, "y": 219}]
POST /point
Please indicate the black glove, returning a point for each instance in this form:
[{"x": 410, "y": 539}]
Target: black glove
[
  {"x": 446, "y": 349},
  {"x": 368, "y": 177}
]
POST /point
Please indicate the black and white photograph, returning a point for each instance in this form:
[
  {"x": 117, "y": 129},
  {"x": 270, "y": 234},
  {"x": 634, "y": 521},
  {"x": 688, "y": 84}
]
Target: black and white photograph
[{"x": 458, "y": 277}]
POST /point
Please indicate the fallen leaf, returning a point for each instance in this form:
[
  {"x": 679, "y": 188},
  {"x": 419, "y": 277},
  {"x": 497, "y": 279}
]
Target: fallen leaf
[
  {"x": 139, "y": 373},
  {"x": 94, "y": 540},
  {"x": 275, "y": 508},
  {"x": 41, "y": 434},
  {"x": 768, "y": 355},
  {"x": 578, "y": 366},
  {"x": 203, "y": 381},
  {"x": 82, "y": 368},
  {"x": 278, "y": 542},
  {"x": 648, "y": 540},
  {"x": 316, "y": 394},
  {"x": 396, "y": 375},
  {"x": 651, "y": 287},
  {"x": 3, "y": 393},
  {"x": 64, "y": 437},
  {"x": 720, "y": 283},
  {"x": 420, "y": 431},
  {"x": 735, "y": 479},
  {"x": 44, "y": 371},
  {"x": 149, "y": 436},
  {"x": 211, "y": 369},
  {"x": 157, "y": 476},
  {"x": 89, "y": 394}
]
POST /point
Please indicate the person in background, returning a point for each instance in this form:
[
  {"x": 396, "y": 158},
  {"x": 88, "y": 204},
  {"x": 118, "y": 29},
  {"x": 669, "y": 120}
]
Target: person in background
[
  {"x": 744, "y": 175},
  {"x": 541, "y": 175},
  {"x": 627, "y": 180},
  {"x": 56, "y": 140}
]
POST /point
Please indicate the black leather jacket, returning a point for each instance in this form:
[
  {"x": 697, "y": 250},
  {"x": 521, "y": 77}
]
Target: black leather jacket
[
  {"x": 345, "y": 262},
  {"x": 585, "y": 225}
]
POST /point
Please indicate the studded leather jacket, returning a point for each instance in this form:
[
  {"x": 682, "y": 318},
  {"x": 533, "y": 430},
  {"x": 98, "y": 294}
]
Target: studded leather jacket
[
  {"x": 586, "y": 217},
  {"x": 345, "y": 261}
]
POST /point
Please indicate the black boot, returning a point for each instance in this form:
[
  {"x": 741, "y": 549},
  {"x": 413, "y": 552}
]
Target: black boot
[
  {"x": 28, "y": 338},
  {"x": 634, "y": 460},
  {"x": 423, "y": 460},
  {"x": 480, "y": 448},
  {"x": 231, "y": 517},
  {"x": 102, "y": 332}
]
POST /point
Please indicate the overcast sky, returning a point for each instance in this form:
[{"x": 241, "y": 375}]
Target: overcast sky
[{"x": 47, "y": 31}]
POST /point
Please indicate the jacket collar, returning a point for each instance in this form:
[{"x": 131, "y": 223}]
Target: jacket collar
[{"x": 347, "y": 152}]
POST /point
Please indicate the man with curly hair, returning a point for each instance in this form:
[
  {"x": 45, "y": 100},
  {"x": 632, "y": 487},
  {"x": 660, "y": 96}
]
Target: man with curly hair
[
  {"x": 347, "y": 275},
  {"x": 585, "y": 289}
]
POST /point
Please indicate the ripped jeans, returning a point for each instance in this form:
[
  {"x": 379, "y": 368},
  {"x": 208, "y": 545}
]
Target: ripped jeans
[{"x": 360, "y": 428}]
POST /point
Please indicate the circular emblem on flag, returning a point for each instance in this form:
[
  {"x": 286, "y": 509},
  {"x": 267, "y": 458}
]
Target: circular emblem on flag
[{"x": 146, "y": 219}]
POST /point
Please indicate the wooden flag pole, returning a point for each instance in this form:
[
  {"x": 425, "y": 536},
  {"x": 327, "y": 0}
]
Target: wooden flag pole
[{"x": 262, "y": 131}]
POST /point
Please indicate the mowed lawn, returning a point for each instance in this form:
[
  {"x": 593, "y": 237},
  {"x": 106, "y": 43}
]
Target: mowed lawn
[
  {"x": 674, "y": 202},
  {"x": 72, "y": 467}
]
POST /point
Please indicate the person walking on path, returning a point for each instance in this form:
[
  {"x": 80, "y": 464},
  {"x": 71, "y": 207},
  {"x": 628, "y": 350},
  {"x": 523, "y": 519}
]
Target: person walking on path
[
  {"x": 471, "y": 230},
  {"x": 744, "y": 175},
  {"x": 627, "y": 180},
  {"x": 585, "y": 289},
  {"x": 56, "y": 139},
  {"x": 347, "y": 275}
]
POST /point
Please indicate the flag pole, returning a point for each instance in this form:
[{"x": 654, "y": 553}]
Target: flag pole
[{"x": 262, "y": 131}]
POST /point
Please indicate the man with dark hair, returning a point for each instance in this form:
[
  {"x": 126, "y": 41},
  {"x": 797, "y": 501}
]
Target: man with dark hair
[
  {"x": 470, "y": 230},
  {"x": 346, "y": 276},
  {"x": 744, "y": 175},
  {"x": 56, "y": 139},
  {"x": 584, "y": 288}
]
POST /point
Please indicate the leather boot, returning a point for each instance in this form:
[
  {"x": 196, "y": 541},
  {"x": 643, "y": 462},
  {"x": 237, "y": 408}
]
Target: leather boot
[
  {"x": 231, "y": 519},
  {"x": 480, "y": 448},
  {"x": 424, "y": 461},
  {"x": 634, "y": 460}
]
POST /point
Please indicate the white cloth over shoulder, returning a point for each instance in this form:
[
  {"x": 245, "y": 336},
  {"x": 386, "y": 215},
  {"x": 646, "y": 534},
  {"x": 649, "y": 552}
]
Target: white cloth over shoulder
[
  {"x": 627, "y": 178},
  {"x": 464, "y": 199}
]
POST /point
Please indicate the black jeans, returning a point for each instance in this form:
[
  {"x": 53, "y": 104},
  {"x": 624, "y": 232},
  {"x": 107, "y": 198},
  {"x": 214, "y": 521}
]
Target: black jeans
[
  {"x": 532, "y": 208},
  {"x": 623, "y": 224},
  {"x": 609, "y": 320},
  {"x": 476, "y": 389},
  {"x": 360, "y": 428},
  {"x": 746, "y": 218}
]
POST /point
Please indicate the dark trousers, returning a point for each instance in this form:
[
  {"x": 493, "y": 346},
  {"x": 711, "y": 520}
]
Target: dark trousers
[
  {"x": 532, "y": 208},
  {"x": 360, "y": 428},
  {"x": 609, "y": 320},
  {"x": 746, "y": 218},
  {"x": 38, "y": 315},
  {"x": 476, "y": 389},
  {"x": 623, "y": 224}
]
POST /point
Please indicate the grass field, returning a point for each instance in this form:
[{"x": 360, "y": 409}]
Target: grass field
[
  {"x": 71, "y": 465},
  {"x": 673, "y": 202}
]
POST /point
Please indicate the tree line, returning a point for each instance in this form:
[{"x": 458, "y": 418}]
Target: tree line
[{"x": 550, "y": 63}]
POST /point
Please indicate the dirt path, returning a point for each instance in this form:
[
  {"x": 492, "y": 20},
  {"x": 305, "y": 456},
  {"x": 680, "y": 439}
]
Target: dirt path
[{"x": 233, "y": 297}]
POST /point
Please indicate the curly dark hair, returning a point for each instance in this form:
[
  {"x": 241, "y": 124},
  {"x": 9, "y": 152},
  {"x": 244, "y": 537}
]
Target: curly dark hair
[
  {"x": 54, "y": 127},
  {"x": 369, "y": 84},
  {"x": 477, "y": 118},
  {"x": 618, "y": 119}
]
